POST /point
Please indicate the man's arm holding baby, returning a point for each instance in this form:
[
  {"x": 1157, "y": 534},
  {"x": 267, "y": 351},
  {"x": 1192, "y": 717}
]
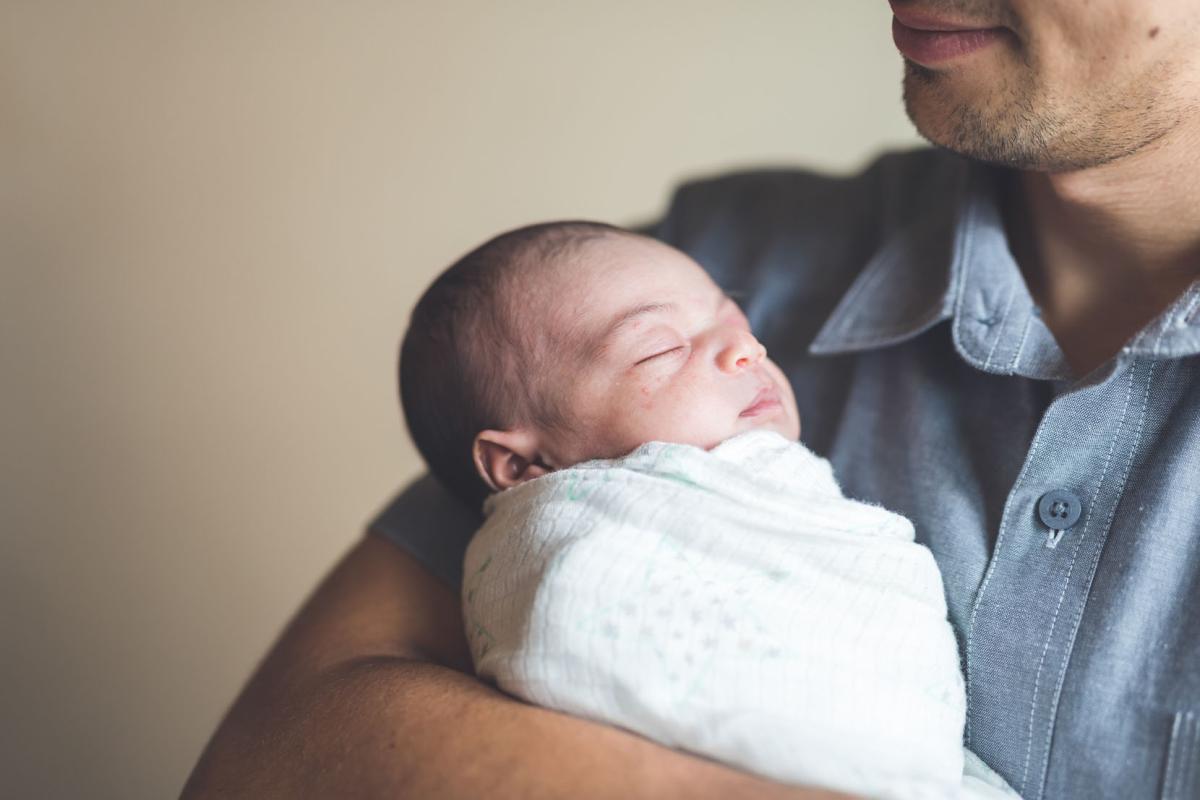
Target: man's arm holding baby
[{"x": 369, "y": 692}]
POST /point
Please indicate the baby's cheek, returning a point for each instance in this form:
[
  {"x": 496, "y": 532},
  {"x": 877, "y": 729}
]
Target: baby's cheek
[
  {"x": 649, "y": 395},
  {"x": 649, "y": 400}
]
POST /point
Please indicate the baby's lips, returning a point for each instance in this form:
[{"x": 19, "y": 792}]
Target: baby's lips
[{"x": 766, "y": 399}]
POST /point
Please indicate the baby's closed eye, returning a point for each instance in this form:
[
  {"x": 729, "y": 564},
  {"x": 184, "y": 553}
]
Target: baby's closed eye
[{"x": 660, "y": 353}]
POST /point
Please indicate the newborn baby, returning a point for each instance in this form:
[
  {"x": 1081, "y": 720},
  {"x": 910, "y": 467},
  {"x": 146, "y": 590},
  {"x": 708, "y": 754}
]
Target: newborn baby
[{"x": 660, "y": 553}]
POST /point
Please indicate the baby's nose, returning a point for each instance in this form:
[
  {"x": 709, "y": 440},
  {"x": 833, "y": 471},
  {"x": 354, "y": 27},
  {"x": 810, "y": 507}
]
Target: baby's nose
[{"x": 742, "y": 351}]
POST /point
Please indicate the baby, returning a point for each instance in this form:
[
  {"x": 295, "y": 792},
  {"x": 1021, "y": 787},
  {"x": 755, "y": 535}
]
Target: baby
[{"x": 659, "y": 551}]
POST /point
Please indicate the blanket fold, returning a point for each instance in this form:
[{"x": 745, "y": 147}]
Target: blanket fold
[{"x": 732, "y": 603}]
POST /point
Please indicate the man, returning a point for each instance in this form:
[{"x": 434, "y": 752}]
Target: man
[{"x": 1006, "y": 354}]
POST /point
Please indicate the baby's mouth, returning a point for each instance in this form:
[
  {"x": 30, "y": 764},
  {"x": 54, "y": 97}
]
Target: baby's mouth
[{"x": 765, "y": 401}]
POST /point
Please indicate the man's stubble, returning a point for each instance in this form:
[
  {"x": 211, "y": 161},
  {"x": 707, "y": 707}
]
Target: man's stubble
[{"x": 1020, "y": 124}]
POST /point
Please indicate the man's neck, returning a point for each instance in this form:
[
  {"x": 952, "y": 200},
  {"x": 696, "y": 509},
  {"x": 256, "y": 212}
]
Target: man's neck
[{"x": 1105, "y": 250}]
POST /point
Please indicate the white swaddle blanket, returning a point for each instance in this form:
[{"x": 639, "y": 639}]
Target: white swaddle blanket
[{"x": 732, "y": 603}]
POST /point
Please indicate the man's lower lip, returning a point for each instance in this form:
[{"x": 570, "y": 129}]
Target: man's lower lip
[{"x": 928, "y": 48}]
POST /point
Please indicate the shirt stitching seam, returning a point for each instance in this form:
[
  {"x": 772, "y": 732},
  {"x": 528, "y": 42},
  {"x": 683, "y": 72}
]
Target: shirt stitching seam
[
  {"x": 963, "y": 272},
  {"x": 849, "y": 302},
  {"x": 1012, "y": 366},
  {"x": 1112, "y": 512},
  {"x": 1169, "y": 791},
  {"x": 1193, "y": 304},
  {"x": 1037, "y": 678},
  {"x": 963, "y": 261},
  {"x": 882, "y": 334},
  {"x": 1012, "y": 296},
  {"x": 1184, "y": 311},
  {"x": 1033, "y": 449},
  {"x": 1168, "y": 324},
  {"x": 1187, "y": 775}
]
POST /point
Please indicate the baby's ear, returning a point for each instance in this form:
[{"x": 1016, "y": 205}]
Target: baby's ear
[{"x": 506, "y": 458}]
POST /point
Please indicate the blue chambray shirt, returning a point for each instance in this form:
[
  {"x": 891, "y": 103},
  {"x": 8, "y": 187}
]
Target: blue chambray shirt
[{"x": 924, "y": 373}]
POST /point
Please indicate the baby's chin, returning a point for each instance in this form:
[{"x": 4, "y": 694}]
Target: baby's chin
[
  {"x": 789, "y": 430},
  {"x": 784, "y": 420},
  {"x": 785, "y": 424},
  {"x": 793, "y": 428}
]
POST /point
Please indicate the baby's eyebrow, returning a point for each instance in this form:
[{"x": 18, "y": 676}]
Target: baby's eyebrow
[{"x": 629, "y": 315}]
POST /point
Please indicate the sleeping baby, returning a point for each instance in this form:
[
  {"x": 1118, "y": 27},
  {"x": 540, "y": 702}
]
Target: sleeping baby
[{"x": 659, "y": 552}]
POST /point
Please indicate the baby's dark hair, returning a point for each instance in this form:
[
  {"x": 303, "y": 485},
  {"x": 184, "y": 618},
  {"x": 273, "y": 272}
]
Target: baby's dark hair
[{"x": 465, "y": 364}]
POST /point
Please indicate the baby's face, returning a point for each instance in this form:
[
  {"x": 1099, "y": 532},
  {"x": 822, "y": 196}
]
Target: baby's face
[{"x": 645, "y": 347}]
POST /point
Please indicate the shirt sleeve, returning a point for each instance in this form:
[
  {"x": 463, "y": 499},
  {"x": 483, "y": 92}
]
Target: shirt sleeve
[{"x": 431, "y": 525}]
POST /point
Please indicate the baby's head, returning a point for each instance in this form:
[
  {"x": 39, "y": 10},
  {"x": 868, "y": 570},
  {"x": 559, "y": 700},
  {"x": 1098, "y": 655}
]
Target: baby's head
[{"x": 567, "y": 341}]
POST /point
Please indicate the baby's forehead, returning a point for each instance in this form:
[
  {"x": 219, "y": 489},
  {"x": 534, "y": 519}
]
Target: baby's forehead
[
  {"x": 580, "y": 291},
  {"x": 637, "y": 314}
]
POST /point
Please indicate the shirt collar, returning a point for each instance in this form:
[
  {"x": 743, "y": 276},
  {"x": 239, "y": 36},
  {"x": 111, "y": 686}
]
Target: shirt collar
[
  {"x": 1173, "y": 334},
  {"x": 904, "y": 289},
  {"x": 952, "y": 262}
]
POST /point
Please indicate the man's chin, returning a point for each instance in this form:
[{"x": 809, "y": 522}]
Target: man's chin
[
  {"x": 931, "y": 106},
  {"x": 976, "y": 122},
  {"x": 961, "y": 128}
]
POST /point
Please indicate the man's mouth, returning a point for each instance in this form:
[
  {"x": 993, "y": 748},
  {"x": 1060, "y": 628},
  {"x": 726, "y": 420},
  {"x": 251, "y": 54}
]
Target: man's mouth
[
  {"x": 930, "y": 39},
  {"x": 765, "y": 401}
]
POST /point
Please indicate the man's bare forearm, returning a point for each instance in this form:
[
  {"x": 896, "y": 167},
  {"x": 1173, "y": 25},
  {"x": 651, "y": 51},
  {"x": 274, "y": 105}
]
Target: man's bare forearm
[
  {"x": 388, "y": 726},
  {"x": 366, "y": 694}
]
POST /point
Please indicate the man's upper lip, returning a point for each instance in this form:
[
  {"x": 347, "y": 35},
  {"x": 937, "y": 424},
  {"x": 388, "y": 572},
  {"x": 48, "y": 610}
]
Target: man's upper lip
[{"x": 922, "y": 21}]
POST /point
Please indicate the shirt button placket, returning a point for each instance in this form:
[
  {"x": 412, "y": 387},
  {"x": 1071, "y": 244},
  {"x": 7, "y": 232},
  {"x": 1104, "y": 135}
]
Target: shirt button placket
[{"x": 1031, "y": 603}]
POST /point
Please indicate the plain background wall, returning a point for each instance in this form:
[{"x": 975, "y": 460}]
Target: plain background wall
[{"x": 215, "y": 218}]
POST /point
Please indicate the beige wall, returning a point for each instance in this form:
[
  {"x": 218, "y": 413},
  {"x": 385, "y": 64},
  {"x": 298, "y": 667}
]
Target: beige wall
[{"x": 215, "y": 217}]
